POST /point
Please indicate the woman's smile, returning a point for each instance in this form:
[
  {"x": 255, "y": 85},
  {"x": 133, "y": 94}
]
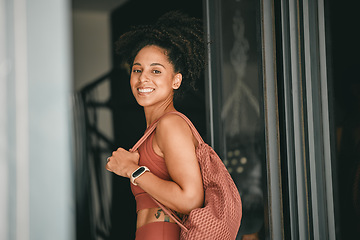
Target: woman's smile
[{"x": 142, "y": 91}]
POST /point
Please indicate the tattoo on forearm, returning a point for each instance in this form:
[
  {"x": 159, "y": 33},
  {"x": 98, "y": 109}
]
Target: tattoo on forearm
[{"x": 158, "y": 213}]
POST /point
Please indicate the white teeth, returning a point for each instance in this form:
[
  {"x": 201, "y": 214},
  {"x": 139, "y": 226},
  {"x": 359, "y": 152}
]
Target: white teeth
[{"x": 145, "y": 90}]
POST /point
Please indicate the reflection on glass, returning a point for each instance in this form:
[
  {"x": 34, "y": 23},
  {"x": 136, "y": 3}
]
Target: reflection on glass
[{"x": 240, "y": 115}]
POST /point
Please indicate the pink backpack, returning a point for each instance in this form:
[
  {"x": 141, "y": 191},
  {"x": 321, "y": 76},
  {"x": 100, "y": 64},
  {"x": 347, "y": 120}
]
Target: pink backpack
[{"x": 221, "y": 214}]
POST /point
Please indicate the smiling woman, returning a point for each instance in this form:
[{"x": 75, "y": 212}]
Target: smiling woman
[
  {"x": 164, "y": 58},
  {"x": 180, "y": 39},
  {"x": 153, "y": 78}
]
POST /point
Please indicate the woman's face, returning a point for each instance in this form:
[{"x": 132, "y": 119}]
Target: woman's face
[{"x": 153, "y": 79}]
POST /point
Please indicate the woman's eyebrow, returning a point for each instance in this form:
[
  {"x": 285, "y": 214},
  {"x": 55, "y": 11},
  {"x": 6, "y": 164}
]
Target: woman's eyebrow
[
  {"x": 157, "y": 64},
  {"x": 153, "y": 64}
]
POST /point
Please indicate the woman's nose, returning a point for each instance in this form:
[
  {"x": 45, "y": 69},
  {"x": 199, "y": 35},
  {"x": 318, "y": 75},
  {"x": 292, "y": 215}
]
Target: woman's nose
[{"x": 143, "y": 77}]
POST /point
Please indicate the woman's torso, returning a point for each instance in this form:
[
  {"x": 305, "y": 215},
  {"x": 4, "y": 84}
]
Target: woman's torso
[{"x": 147, "y": 210}]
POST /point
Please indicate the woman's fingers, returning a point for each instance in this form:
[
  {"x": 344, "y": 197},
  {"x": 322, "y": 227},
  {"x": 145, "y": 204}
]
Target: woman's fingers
[{"x": 121, "y": 161}]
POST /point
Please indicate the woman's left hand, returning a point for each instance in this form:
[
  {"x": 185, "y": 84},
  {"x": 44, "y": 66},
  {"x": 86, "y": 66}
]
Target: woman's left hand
[{"x": 123, "y": 162}]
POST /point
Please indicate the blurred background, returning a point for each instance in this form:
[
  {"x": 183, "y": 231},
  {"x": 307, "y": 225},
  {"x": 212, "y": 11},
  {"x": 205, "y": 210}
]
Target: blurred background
[{"x": 65, "y": 105}]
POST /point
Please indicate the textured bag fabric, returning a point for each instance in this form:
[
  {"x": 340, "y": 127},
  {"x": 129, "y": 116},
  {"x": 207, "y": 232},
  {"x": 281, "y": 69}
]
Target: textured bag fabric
[{"x": 221, "y": 214}]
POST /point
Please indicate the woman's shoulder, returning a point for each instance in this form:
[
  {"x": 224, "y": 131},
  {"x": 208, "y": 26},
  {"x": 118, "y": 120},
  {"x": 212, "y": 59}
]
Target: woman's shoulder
[
  {"x": 173, "y": 121},
  {"x": 174, "y": 130}
]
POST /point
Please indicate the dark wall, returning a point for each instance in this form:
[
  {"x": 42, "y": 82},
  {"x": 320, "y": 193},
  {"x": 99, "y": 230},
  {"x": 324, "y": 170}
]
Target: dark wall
[{"x": 343, "y": 54}]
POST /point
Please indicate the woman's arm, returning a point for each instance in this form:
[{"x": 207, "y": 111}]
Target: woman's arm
[{"x": 175, "y": 142}]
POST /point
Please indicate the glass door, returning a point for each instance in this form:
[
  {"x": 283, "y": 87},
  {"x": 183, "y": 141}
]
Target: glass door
[{"x": 235, "y": 91}]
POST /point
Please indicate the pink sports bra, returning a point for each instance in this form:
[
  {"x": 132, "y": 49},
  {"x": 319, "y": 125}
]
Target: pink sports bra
[{"x": 157, "y": 166}]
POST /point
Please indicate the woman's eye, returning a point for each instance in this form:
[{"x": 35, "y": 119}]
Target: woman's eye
[
  {"x": 156, "y": 71},
  {"x": 136, "y": 70}
]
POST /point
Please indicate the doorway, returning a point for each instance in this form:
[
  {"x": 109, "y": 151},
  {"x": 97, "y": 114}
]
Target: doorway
[{"x": 106, "y": 207}]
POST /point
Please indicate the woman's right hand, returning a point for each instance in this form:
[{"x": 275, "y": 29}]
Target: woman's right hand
[{"x": 123, "y": 162}]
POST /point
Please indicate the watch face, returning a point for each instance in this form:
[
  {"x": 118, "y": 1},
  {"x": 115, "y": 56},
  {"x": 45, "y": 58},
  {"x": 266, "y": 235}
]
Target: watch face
[{"x": 138, "y": 172}]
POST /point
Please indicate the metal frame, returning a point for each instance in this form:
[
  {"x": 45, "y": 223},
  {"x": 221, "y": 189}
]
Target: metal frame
[
  {"x": 299, "y": 143},
  {"x": 274, "y": 182},
  {"x": 306, "y": 111},
  {"x": 213, "y": 94},
  {"x": 274, "y": 229}
]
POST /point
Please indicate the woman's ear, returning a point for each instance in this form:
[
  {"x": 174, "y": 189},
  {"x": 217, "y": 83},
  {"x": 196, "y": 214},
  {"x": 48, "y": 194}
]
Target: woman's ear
[{"x": 177, "y": 80}]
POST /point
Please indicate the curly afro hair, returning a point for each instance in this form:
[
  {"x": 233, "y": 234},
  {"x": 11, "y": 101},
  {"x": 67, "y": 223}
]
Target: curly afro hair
[{"x": 180, "y": 35}]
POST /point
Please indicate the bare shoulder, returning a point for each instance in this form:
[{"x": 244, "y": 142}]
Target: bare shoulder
[
  {"x": 172, "y": 122},
  {"x": 173, "y": 128}
]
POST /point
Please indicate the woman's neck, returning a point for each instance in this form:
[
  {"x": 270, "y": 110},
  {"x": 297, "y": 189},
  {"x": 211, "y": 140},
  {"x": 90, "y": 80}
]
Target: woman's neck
[{"x": 152, "y": 114}]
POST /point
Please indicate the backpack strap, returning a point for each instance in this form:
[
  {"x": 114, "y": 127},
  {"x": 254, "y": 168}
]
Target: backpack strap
[
  {"x": 144, "y": 137},
  {"x": 171, "y": 213}
]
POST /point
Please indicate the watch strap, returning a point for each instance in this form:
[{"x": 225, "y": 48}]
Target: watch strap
[{"x": 137, "y": 173}]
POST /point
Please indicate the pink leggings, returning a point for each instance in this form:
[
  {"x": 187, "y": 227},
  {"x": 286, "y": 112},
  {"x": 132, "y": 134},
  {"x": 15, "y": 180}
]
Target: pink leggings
[{"x": 158, "y": 231}]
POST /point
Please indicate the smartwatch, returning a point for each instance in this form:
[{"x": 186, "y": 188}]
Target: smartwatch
[{"x": 137, "y": 173}]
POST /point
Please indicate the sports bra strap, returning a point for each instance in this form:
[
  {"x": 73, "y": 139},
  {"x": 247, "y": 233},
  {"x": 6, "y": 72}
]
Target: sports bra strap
[{"x": 153, "y": 126}]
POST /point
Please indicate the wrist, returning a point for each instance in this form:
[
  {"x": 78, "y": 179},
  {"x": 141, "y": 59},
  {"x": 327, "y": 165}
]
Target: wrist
[
  {"x": 138, "y": 173},
  {"x": 131, "y": 170}
]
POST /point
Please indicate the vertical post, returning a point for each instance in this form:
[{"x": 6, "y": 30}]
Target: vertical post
[
  {"x": 318, "y": 131},
  {"x": 306, "y": 111},
  {"x": 4, "y": 225},
  {"x": 21, "y": 120},
  {"x": 293, "y": 81},
  {"x": 274, "y": 196},
  {"x": 35, "y": 121},
  {"x": 213, "y": 30},
  {"x": 51, "y": 199}
]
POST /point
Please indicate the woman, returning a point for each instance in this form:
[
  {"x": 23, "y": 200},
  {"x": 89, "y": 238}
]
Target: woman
[{"x": 164, "y": 58}]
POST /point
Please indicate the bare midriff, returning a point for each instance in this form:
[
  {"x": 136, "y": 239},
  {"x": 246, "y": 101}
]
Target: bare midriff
[{"x": 150, "y": 215}]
